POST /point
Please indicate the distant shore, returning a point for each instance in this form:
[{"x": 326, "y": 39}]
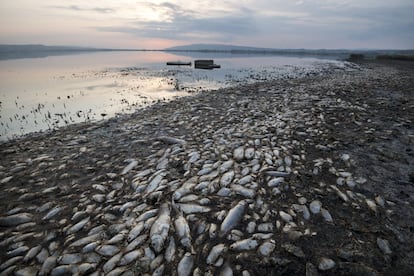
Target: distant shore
[
  {"x": 11, "y": 51},
  {"x": 339, "y": 145}
]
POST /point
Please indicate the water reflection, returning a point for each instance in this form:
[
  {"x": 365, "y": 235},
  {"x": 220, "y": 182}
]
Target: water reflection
[{"x": 45, "y": 93}]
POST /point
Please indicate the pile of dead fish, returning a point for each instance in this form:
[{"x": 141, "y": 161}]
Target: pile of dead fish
[{"x": 214, "y": 201}]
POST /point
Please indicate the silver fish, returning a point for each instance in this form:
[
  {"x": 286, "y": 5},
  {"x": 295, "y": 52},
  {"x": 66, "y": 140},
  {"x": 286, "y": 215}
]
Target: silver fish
[
  {"x": 130, "y": 257},
  {"x": 135, "y": 231},
  {"x": 185, "y": 266},
  {"x": 183, "y": 231},
  {"x": 129, "y": 167},
  {"x": 48, "y": 265},
  {"x": 187, "y": 208},
  {"x": 170, "y": 251},
  {"x": 246, "y": 244},
  {"x": 215, "y": 252},
  {"x": 78, "y": 226},
  {"x": 160, "y": 228},
  {"x": 107, "y": 250},
  {"x": 233, "y": 218},
  {"x": 16, "y": 219}
]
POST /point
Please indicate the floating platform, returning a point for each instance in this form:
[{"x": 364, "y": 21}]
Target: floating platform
[
  {"x": 205, "y": 64},
  {"x": 179, "y": 63}
]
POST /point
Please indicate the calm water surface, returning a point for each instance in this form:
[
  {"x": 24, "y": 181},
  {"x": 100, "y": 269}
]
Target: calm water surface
[{"x": 45, "y": 93}]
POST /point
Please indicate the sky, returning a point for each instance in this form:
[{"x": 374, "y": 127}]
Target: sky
[{"x": 151, "y": 24}]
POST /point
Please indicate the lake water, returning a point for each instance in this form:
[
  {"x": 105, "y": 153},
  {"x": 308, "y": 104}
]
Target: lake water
[{"x": 38, "y": 94}]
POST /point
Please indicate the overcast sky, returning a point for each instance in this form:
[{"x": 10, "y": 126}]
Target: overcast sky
[{"x": 158, "y": 24}]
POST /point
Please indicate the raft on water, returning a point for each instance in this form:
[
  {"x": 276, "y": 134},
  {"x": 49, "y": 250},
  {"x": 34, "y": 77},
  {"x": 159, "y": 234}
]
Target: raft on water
[
  {"x": 179, "y": 63},
  {"x": 205, "y": 64}
]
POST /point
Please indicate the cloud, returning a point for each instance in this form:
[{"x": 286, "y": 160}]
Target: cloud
[
  {"x": 267, "y": 23},
  {"x": 80, "y": 9},
  {"x": 175, "y": 22}
]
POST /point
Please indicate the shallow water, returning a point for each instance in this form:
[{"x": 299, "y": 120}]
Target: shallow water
[{"x": 44, "y": 93}]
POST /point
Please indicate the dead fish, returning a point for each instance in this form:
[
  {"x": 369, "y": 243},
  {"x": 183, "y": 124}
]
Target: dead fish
[
  {"x": 159, "y": 271},
  {"x": 267, "y": 248},
  {"x": 153, "y": 184},
  {"x": 226, "y": 179},
  {"x": 67, "y": 259},
  {"x": 275, "y": 182},
  {"x": 32, "y": 253},
  {"x": 160, "y": 228},
  {"x": 136, "y": 242},
  {"x": 215, "y": 252},
  {"x": 170, "y": 251},
  {"x": 246, "y": 244},
  {"x": 107, "y": 250},
  {"x": 285, "y": 216},
  {"x": 240, "y": 190},
  {"x": 129, "y": 167},
  {"x": 117, "y": 238},
  {"x": 6, "y": 179},
  {"x": 315, "y": 206},
  {"x": 245, "y": 180},
  {"x": 384, "y": 245},
  {"x": 274, "y": 173},
  {"x": 18, "y": 251},
  {"x": 326, "y": 264},
  {"x": 64, "y": 270},
  {"x": 185, "y": 189},
  {"x": 27, "y": 271},
  {"x": 52, "y": 213},
  {"x": 130, "y": 257},
  {"x": 78, "y": 226},
  {"x": 171, "y": 140},
  {"x": 135, "y": 231},
  {"x": 148, "y": 214},
  {"x": 183, "y": 231},
  {"x": 233, "y": 218},
  {"x": 326, "y": 215},
  {"x": 117, "y": 271},
  {"x": 238, "y": 154},
  {"x": 188, "y": 208},
  {"x": 226, "y": 270},
  {"x": 156, "y": 262},
  {"x": 127, "y": 205},
  {"x": 48, "y": 265},
  {"x": 16, "y": 219},
  {"x": 9, "y": 263},
  {"x": 185, "y": 266},
  {"x": 249, "y": 153},
  {"x": 371, "y": 204},
  {"x": 86, "y": 240},
  {"x": 90, "y": 247},
  {"x": 86, "y": 268}
]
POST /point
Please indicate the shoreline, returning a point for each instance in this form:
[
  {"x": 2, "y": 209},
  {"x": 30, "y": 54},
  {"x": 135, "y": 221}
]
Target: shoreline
[{"x": 341, "y": 141}]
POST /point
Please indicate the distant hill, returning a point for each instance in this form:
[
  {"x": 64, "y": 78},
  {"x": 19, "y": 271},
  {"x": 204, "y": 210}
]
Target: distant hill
[
  {"x": 340, "y": 53},
  {"x": 11, "y": 51},
  {"x": 216, "y": 47}
]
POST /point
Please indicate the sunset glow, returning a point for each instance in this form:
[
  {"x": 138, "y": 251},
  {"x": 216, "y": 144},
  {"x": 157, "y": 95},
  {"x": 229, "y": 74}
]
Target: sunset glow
[{"x": 262, "y": 23}]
